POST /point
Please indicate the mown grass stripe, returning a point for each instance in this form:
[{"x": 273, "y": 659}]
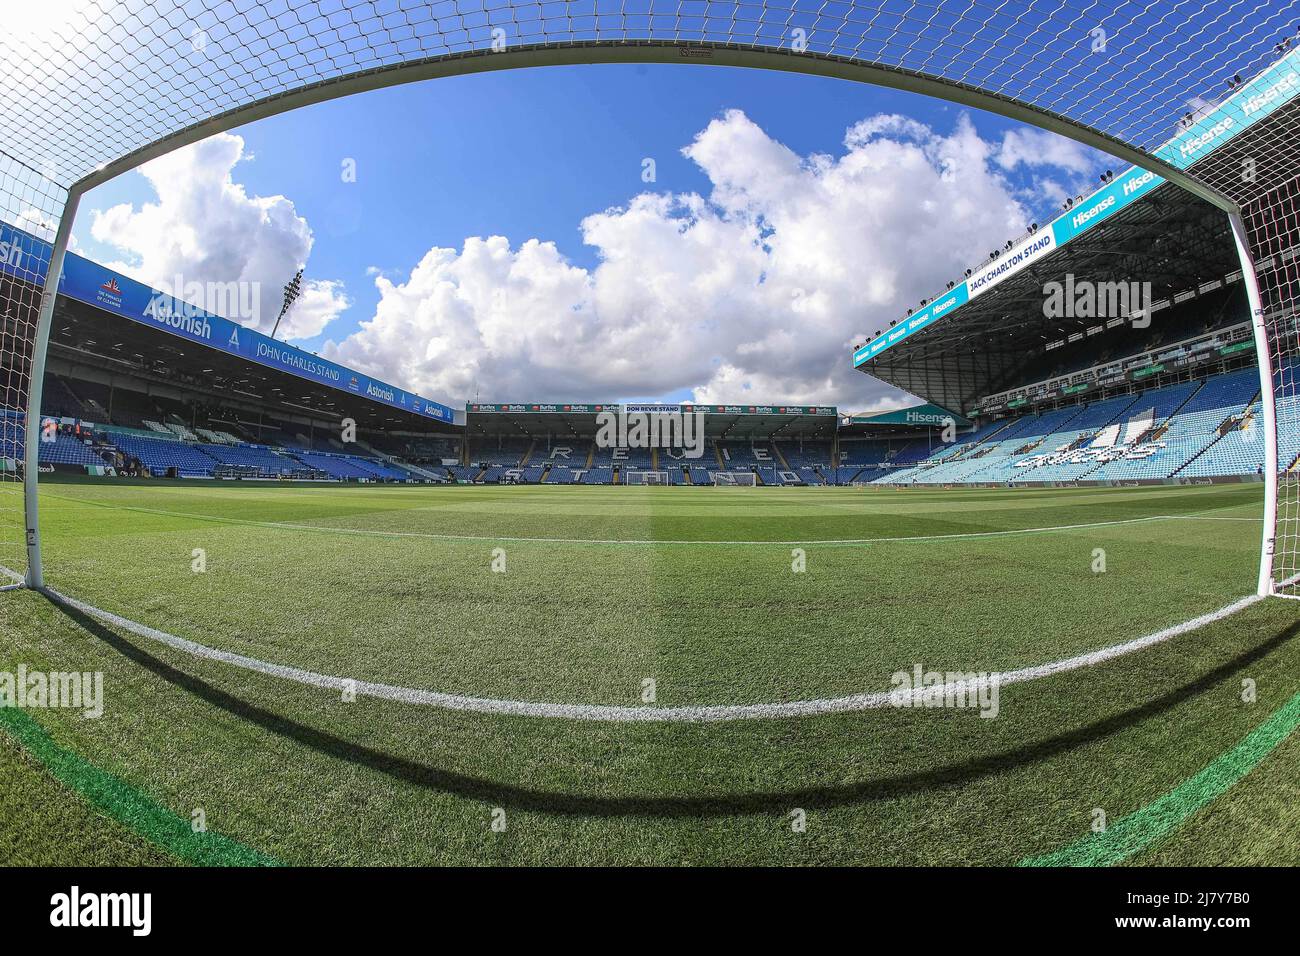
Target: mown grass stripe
[
  {"x": 1154, "y": 822},
  {"x": 638, "y": 542},
  {"x": 122, "y": 802},
  {"x": 702, "y": 713}
]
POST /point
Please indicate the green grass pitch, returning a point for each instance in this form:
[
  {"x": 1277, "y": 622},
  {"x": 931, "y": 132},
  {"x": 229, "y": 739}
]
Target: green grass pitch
[{"x": 718, "y": 596}]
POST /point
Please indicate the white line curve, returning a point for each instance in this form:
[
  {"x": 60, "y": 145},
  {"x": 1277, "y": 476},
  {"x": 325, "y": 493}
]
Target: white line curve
[{"x": 713, "y": 713}]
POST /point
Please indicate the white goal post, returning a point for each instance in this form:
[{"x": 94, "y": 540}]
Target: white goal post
[
  {"x": 92, "y": 129},
  {"x": 646, "y": 478},
  {"x": 733, "y": 478}
]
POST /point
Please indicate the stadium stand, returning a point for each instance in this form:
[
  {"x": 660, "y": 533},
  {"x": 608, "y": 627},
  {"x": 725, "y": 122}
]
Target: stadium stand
[
  {"x": 758, "y": 457},
  {"x": 159, "y": 455},
  {"x": 336, "y": 466},
  {"x": 59, "y": 400},
  {"x": 499, "y": 458},
  {"x": 1199, "y": 428},
  {"x": 861, "y": 461},
  {"x": 269, "y": 464},
  {"x": 809, "y": 460},
  {"x": 629, "y": 459},
  {"x": 1181, "y": 427},
  {"x": 69, "y": 450}
]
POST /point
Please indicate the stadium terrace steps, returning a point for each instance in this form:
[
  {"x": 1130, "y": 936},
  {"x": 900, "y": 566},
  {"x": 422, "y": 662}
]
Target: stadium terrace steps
[
  {"x": 1191, "y": 429},
  {"x": 334, "y": 466},
  {"x": 268, "y": 462},
  {"x": 159, "y": 455},
  {"x": 68, "y": 450},
  {"x": 947, "y": 456},
  {"x": 1087, "y": 421},
  {"x": 1203, "y": 428},
  {"x": 384, "y": 464},
  {"x": 180, "y": 431},
  {"x": 1238, "y": 450},
  {"x": 1149, "y": 412}
]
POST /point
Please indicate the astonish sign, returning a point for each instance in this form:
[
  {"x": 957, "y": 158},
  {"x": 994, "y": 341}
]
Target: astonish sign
[{"x": 27, "y": 257}]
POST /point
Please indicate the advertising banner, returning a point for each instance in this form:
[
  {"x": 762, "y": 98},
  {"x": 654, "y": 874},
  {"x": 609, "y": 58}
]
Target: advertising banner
[
  {"x": 539, "y": 408},
  {"x": 927, "y": 414},
  {"x": 26, "y": 257},
  {"x": 646, "y": 408},
  {"x": 1253, "y": 101}
]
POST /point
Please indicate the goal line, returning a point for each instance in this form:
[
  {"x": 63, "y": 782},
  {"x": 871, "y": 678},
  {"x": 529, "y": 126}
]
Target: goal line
[{"x": 709, "y": 713}]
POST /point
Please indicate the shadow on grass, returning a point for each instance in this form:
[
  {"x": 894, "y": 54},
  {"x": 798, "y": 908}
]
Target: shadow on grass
[{"x": 560, "y": 803}]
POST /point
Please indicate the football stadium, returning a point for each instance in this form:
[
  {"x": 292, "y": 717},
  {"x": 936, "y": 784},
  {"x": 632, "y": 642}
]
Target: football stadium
[{"x": 263, "y": 606}]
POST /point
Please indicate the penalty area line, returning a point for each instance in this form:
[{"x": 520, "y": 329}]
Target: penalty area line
[{"x": 713, "y": 713}]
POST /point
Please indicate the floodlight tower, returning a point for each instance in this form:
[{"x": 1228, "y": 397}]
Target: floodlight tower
[{"x": 292, "y": 290}]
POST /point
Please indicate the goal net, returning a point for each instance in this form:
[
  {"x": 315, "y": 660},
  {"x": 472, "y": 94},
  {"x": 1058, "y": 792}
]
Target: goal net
[
  {"x": 1262, "y": 180},
  {"x": 747, "y": 478},
  {"x": 79, "y": 109},
  {"x": 647, "y": 478},
  {"x": 1273, "y": 227},
  {"x": 30, "y": 208}
]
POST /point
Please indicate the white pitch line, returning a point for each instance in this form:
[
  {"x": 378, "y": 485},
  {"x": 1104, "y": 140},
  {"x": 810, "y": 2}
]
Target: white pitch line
[
  {"x": 799, "y": 542},
  {"x": 614, "y": 714}
]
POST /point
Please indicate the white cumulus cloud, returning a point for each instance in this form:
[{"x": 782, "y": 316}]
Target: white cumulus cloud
[
  {"x": 756, "y": 291},
  {"x": 205, "y": 228},
  {"x": 1038, "y": 147}
]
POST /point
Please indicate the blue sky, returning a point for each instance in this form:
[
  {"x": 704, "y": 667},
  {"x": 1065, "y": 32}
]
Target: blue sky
[{"x": 529, "y": 154}]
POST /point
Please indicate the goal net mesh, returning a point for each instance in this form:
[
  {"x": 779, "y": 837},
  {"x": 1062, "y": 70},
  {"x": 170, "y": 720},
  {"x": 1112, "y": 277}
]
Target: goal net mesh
[
  {"x": 90, "y": 87},
  {"x": 647, "y": 478},
  {"x": 85, "y": 82},
  {"x": 1273, "y": 224},
  {"x": 721, "y": 478},
  {"x": 1260, "y": 171},
  {"x": 30, "y": 206}
]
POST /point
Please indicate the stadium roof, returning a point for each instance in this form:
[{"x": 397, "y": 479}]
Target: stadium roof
[
  {"x": 1173, "y": 240},
  {"x": 84, "y": 337},
  {"x": 27, "y": 258},
  {"x": 978, "y": 337},
  {"x": 92, "y": 88}
]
